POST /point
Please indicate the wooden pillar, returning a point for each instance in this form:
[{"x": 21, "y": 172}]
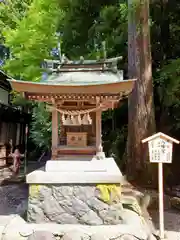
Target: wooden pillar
[
  {"x": 98, "y": 132},
  {"x": 18, "y": 129},
  {"x": 54, "y": 133}
]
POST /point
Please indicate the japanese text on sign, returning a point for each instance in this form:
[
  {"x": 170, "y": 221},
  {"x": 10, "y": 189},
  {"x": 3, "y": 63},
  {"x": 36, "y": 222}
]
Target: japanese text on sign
[{"x": 160, "y": 150}]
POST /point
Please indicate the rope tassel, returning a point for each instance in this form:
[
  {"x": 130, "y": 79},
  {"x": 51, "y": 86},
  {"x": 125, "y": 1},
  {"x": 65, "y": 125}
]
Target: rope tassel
[
  {"x": 79, "y": 119},
  {"x": 89, "y": 119}
]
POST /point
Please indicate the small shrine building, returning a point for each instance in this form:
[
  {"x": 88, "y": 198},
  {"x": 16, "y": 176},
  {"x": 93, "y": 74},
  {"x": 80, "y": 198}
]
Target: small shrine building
[{"x": 77, "y": 93}]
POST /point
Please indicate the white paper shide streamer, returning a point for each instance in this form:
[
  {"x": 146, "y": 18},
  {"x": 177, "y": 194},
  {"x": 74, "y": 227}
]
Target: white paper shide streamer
[{"x": 76, "y": 117}]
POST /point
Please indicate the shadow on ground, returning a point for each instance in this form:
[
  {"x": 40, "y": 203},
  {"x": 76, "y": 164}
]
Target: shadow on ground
[
  {"x": 13, "y": 197},
  {"x": 171, "y": 219},
  {"x": 14, "y": 190}
]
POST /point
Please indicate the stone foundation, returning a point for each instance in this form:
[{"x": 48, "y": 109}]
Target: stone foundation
[
  {"x": 87, "y": 204},
  {"x": 13, "y": 227}
]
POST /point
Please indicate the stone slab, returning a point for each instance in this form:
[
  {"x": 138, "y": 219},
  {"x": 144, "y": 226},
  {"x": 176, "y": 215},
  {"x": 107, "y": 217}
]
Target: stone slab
[
  {"x": 106, "y": 165},
  {"x": 111, "y": 231},
  {"x": 42, "y": 235},
  {"x": 41, "y": 177},
  {"x": 66, "y": 172}
]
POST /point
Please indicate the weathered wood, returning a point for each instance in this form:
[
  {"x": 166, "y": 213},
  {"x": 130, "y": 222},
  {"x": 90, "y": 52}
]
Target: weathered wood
[
  {"x": 64, "y": 150},
  {"x": 78, "y": 139},
  {"x": 141, "y": 110},
  {"x": 77, "y": 97},
  {"x": 54, "y": 133},
  {"x": 98, "y": 132}
]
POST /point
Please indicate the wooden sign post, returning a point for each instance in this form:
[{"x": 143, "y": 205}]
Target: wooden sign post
[{"x": 160, "y": 151}]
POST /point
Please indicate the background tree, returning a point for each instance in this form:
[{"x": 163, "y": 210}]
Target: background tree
[
  {"x": 80, "y": 17},
  {"x": 141, "y": 107},
  {"x": 32, "y": 39},
  {"x": 11, "y": 12},
  {"x": 41, "y": 119}
]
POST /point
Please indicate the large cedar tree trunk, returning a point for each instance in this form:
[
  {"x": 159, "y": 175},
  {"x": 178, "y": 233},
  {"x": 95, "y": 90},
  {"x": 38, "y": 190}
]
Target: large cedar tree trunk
[{"x": 141, "y": 108}]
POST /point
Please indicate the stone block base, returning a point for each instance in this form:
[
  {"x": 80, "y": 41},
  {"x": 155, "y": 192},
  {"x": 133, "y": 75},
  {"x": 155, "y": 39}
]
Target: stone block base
[{"x": 75, "y": 204}]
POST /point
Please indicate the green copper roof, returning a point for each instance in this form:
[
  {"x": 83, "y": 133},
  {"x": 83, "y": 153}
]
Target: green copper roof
[{"x": 82, "y": 78}]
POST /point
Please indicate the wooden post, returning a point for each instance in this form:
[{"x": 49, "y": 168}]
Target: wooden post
[
  {"x": 160, "y": 151},
  {"x": 18, "y": 129},
  {"x": 98, "y": 132},
  {"x": 54, "y": 133},
  {"x": 161, "y": 200}
]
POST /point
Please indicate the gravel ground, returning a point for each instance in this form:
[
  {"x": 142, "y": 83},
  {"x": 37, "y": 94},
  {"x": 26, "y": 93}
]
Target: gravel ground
[
  {"x": 11, "y": 198},
  {"x": 171, "y": 223},
  {"x": 171, "y": 216}
]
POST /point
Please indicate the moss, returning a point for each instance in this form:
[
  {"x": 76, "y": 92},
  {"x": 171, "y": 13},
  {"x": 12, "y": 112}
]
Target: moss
[
  {"x": 34, "y": 190},
  {"x": 109, "y": 192}
]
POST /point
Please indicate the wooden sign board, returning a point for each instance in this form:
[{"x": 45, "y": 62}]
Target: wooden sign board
[
  {"x": 160, "y": 151},
  {"x": 160, "y": 148}
]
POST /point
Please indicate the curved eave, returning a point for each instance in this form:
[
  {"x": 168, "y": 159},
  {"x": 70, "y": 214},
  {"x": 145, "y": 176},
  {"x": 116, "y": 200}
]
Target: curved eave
[{"x": 31, "y": 87}]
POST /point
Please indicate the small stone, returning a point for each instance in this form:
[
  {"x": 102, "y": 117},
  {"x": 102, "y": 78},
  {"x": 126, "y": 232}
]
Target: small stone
[
  {"x": 74, "y": 235},
  {"x": 98, "y": 236},
  {"x": 97, "y": 204},
  {"x": 58, "y": 237},
  {"x": 22, "y": 207},
  {"x": 41, "y": 235},
  {"x": 62, "y": 191},
  {"x": 91, "y": 218},
  {"x": 111, "y": 216},
  {"x": 33, "y": 201},
  {"x": 127, "y": 237},
  {"x": 84, "y": 192},
  {"x": 35, "y": 214},
  {"x": 74, "y": 206},
  {"x": 44, "y": 192},
  {"x": 152, "y": 237},
  {"x": 26, "y": 231},
  {"x": 175, "y": 202},
  {"x": 66, "y": 218},
  {"x": 52, "y": 208}
]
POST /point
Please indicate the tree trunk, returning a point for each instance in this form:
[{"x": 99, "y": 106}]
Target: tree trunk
[{"x": 141, "y": 108}]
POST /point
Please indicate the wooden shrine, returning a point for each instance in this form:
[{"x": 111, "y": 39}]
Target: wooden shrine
[{"x": 77, "y": 93}]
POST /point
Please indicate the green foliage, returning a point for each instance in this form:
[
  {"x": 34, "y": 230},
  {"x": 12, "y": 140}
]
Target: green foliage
[
  {"x": 18, "y": 100},
  {"x": 165, "y": 32},
  {"x": 168, "y": 93},
  {"x": 32, "y": 39},
  {"x": 11, "y": 12},
  {"x": 111, "y": 27},
  {"x": 169, "y": 83},
  {"x": 81, "y": 15},
  {"x": 115, "y": 144},
  {"x": 41, "y": 129}
]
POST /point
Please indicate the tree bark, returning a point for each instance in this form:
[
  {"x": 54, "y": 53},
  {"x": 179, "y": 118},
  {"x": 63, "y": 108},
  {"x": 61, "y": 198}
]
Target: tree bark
[{"x": 141, "y": 108}]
